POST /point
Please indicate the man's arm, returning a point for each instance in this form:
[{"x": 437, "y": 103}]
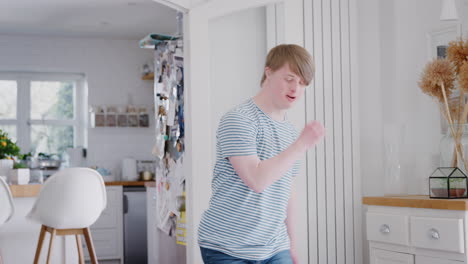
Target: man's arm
[
  {"x": 260, "y": 174},
  {"x": 291, "y": 221}
]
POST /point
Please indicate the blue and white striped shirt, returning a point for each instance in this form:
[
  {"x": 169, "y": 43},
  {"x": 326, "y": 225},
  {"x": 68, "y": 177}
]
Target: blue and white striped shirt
[{"x": 240, "y": 222}]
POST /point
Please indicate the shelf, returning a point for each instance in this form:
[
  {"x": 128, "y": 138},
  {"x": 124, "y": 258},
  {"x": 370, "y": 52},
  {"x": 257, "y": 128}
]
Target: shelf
[{"x": 149, "y": 76}]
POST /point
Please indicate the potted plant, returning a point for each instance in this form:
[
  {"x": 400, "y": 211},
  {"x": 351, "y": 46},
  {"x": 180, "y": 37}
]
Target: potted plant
[
  {"x": 20, "y": 174},
  {"x": 8, "y": 150}
]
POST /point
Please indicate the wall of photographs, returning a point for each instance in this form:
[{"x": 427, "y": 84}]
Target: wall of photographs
[{"x": 169, "y": 140}]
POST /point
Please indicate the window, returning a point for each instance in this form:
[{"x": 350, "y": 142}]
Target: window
[{"x": 43, "y": 112}]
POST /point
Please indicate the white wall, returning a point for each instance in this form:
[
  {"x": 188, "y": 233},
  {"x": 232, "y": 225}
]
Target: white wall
[
  {"x": 112, "y": 69},
  {"x": 392, "y": 54},
  {"x": 236, "y": 69}
]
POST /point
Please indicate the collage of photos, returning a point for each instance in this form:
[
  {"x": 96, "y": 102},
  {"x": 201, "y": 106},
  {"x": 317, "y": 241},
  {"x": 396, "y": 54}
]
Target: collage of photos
[{"x": 170, "y": 131}]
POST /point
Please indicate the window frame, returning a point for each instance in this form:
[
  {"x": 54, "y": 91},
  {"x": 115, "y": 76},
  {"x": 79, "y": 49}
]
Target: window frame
[{"x": 23, "y": 119}]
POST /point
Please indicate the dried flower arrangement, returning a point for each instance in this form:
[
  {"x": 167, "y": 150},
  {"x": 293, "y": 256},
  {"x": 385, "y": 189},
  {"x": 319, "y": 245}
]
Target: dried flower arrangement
[{"x": 438, "y": 80}]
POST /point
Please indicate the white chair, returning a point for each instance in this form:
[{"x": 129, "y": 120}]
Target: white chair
[
  {"x": 70, "y": 201},
  {"x": 6, "y": 202},
  {"x": 6, "y": 205}
]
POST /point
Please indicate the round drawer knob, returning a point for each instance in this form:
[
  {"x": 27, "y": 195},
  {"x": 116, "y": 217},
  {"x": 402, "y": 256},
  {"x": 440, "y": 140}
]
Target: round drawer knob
[
  {"x": 434, "y": 234},
  {"x": 384, "y": 229}
]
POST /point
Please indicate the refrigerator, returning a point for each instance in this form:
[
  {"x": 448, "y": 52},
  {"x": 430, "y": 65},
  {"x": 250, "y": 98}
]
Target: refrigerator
[{"x": 135, "y": 229}]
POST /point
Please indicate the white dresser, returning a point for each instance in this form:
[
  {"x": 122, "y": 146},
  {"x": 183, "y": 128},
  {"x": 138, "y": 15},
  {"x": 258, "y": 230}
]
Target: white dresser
[{"x": 416, "y": 230}]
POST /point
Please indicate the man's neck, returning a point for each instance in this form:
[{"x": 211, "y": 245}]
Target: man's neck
[{"x": 266, "y": 104}]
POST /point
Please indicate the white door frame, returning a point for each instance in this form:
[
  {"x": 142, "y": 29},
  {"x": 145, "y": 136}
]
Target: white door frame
[{"x": 198, "y": 163}]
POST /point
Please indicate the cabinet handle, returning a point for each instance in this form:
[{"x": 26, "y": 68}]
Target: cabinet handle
[
  {"x": 434, "y": 234},
  {"x": 384, "y": 229},
  {"x": 125, "y": 204}
]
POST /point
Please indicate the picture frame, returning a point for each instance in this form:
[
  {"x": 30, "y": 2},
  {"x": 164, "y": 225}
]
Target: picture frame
[
  {"x": 144, "y": 120},
  {"x": 111, "y": 120},
  {"x": 132, "y": 120},
  {"x": 441, "y": 37},
  {"x": 99, "y": 120},
  {"x": 437, "y": 43},
  {"x": 122, "y": 120}
]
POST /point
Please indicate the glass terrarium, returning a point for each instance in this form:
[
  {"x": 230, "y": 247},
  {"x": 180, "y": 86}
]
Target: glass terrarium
[{"x": 448, "y": 183}]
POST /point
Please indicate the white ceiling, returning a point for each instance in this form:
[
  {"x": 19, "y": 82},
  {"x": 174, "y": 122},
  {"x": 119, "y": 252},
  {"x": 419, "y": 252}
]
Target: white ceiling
[{"x": 115, "y": 19}]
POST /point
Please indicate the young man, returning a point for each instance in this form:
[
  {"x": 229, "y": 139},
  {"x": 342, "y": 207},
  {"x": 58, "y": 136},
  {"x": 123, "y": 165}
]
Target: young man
[{"x": 251, "y": 216}]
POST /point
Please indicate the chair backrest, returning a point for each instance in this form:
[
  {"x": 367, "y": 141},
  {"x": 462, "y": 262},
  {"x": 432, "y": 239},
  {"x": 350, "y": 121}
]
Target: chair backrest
[
  {"x": 70, "y": 198},
  {"x": 6, "y": 202}
]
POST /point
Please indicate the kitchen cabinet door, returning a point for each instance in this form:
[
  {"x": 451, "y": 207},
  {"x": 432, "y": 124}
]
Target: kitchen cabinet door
[
  {"x": 107, "y": 231},
  {"x": 379, "y": 256},
  {"x": 153, "y": 249}
]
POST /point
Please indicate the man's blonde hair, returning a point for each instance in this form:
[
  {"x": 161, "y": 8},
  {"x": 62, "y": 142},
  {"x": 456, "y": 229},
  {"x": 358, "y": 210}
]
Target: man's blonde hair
[{"x": 299, "y": 60}]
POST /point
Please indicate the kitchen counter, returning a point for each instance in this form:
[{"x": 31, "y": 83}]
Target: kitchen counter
[
  {"x": 417, "y": 201},
  {"x": 32, "y": 190},
  {"x": 150, "y": 184},
  {"x": 126, "y": 183}
]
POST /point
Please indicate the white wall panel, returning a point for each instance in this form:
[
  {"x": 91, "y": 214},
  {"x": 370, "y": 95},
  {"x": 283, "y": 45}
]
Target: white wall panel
[{"x": 333, "y": 186}]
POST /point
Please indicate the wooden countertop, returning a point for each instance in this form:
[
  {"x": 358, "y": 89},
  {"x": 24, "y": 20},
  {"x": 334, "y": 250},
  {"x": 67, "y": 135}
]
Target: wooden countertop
[
  {"x": 32, "y": 190},
  {"x": 150, "y": 184},
  {"x": 417, "y": 201},
  {"x": 126, "y": 183},
  {"x": 27, "y": 190}
]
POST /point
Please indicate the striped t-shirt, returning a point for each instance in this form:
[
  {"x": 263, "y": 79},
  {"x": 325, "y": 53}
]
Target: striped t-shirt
[{"x": 240, "y": 222}]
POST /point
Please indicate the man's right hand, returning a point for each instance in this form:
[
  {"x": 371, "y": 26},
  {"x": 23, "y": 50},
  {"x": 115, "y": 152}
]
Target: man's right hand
[{"x": 312, "y": 133}]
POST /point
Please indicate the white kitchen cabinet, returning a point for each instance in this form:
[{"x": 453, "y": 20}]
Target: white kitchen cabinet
[
  {"x": 151, "y": 225},
  {"x": 107, "y": 231},
  {"x": 379, "y": 256},
  {"x": 416, "y": 235}
]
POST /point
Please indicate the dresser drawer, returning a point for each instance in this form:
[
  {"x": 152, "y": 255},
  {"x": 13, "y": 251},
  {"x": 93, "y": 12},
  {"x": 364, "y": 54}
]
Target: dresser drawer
[
  {"x": 438, "y": 233},
  {"x": 388, "y": 228}
]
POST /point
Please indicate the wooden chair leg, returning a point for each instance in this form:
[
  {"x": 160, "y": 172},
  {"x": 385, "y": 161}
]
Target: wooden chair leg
[
  {"x": 39, "y": 244},
  {"x": 89, "y": 242},
  {"x": 80, "y": 249},
  {"x": 52, "y": 237}
]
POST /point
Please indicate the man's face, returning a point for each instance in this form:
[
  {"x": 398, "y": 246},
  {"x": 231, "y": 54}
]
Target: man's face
[{"x": 285, "y": 86}]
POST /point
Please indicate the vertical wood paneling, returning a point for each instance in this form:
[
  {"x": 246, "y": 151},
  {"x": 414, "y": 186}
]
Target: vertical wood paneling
[
  {"x": 329, "y": 125},
  {"x": 334, "y": 234},
  {"x": 312, "y": 211},
  {"x": 347, "y": 133},
  {"x": 317, "y": 167},
  {"x": 357, "y": 217},
  {"x": 338, "y": 131}
]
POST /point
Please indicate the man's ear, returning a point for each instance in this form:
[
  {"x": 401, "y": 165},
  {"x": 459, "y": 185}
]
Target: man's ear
[{"x": 267, "y": 71}]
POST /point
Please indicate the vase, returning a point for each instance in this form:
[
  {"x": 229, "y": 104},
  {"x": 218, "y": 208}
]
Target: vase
[
  {"x": 394, "y": 183},
  {"x": 20, "y": 176},
  {"x": 449, "y": 156},
  {"x": 6, "y": 165}
]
